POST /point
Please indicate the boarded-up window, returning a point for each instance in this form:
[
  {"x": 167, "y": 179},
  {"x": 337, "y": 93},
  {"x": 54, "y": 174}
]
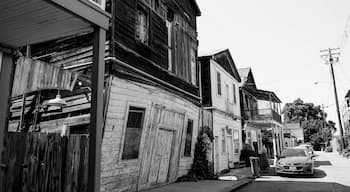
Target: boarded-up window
[
  {"x": 142, "y": 23},
  {"x": 133, "y": 133},
  {"x": 223, "y": 143},
  {"x": 193, "y": 67},
  {"x": 218, "y": 79},
  {"x": 188, "y": 141},
  {"x": 234, "y": 93}
]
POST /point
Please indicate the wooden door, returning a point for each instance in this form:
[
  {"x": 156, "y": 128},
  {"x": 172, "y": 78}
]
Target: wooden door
[
  {"x": 161, "y": 149},
  {"x": 230, "y": 151},
  {"x": 161, "y": 161}
]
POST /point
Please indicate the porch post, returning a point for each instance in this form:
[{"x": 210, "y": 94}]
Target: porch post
[
  {"x": 96, "y": 118},
  {"x": 6, "y": 78}
]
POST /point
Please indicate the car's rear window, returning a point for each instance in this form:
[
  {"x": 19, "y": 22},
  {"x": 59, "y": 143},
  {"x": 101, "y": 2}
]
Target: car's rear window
[{"x": 293, "y": 153}]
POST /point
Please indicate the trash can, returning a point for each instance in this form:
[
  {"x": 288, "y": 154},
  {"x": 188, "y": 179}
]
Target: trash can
[{"x": 254, "y": 166}]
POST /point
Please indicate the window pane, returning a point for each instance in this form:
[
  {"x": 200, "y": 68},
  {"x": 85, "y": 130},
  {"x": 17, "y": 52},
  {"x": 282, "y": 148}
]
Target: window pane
[
  {"x": 134, "y": 120},
  {"x": 188, "y": 142},
  {"x": 133, "y": 133},
  {"x": 141, "y": 28},
  {"x": 218, "y": 78},
  {"x": 193, "y": 67}
]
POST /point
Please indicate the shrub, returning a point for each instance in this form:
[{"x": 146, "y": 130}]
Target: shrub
[{"x": 201, "y": 167}]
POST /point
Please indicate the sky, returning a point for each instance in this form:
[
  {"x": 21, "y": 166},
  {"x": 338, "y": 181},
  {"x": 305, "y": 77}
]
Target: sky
[{"x": 281, "y": 41}]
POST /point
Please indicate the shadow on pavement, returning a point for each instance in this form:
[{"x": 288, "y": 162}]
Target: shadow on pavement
[
  {"x": 272, "y": 172},
  {"x": 294, "y": 186},
  {"x": 322, "y": 163}
]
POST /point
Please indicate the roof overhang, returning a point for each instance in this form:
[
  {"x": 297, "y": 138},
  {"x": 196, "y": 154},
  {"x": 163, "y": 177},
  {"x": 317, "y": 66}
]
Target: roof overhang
[{"x": 26, "y": 22}]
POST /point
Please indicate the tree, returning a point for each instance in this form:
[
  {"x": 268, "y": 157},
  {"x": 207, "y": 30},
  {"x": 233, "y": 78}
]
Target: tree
[{"x": 311, "y": 118}]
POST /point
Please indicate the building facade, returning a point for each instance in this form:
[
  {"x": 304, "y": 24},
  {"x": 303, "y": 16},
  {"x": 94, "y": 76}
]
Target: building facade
[
  {"x": 220, "y": 90},
  {"x": 151, "y": 96},
  {"x": 346, "y": 117},
  {"x": 261, "y": 111},
  {"x": 295, "y": 130}
]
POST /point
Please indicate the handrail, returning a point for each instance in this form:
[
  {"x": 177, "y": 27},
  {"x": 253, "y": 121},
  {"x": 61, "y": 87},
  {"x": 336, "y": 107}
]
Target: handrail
[{"x": 262, "y": 114}]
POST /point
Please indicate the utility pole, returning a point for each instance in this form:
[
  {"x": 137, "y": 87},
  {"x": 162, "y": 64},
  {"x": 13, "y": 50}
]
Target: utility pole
[{"x": 331, "y": 56}]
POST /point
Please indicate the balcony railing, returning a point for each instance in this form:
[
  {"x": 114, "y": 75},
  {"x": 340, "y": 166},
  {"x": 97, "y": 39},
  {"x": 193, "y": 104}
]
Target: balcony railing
[
  {"x": 262, "y": 114},
  {"x": 99, "y": 3}
]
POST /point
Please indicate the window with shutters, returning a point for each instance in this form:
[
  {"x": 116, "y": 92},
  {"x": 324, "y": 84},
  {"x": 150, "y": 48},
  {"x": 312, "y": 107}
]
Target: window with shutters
[
  {"x": 188, "y": 141},
  {"x": 133, "y": 131},
  {"x": 142, "y": 24}
]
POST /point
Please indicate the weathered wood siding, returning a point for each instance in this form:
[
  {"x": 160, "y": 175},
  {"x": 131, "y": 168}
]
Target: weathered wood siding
[
  {"x": 125, "y": 21},
  {"x": 73, "y": 54},
  {"x": 53, "y": 119},
  {"x": 152, "y": 57},
  {"x": 33, "y": 75},
  {"x": 165, "y": 117},
  {"x": 45, "y": 162}
]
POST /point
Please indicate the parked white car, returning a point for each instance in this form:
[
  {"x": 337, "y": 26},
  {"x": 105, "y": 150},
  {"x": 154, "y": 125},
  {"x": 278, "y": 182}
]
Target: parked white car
[
  {"x": 307, "y": 147},
  {"x": 295, "y": 161}
]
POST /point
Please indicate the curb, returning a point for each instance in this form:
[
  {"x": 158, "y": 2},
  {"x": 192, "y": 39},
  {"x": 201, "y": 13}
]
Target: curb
[{"x": 241, "y": 184}]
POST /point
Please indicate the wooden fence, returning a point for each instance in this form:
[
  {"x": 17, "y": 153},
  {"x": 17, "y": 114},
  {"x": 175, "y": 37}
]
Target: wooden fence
[{"x": 41, "y": 162}]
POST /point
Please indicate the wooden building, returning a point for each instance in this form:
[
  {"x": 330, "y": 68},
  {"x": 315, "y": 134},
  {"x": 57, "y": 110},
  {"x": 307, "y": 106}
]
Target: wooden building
[
  {"x": 220, "y": 89},
  {"x": 31, "y": 22},
  {"x": 151, "y": 108},
  {"x": 260, "y": 116}
]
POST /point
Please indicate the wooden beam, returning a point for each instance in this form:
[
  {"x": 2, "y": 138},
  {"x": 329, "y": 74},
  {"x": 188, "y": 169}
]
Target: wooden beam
[
  {"x": 96, "y": 119},
  {"x": 86, "y": 10},
  {"x": 6, "y": 79}
]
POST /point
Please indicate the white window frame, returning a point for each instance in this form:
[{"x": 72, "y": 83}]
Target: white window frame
[
  {"x": 99, "y": 3},
  {"x": 147, "y": 107}
]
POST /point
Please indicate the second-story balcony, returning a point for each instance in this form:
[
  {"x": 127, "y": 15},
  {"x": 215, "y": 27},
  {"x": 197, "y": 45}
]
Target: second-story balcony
[{"x": 262, "y": 115}]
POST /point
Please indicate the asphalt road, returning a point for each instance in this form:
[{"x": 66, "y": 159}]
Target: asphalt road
[{"x": 332, "y": 174}]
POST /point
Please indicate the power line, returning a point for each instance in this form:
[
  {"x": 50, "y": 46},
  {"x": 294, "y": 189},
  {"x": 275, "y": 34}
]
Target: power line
[
  {"x": 343, "y": 71},
  {"x": 345, "y": 35}
]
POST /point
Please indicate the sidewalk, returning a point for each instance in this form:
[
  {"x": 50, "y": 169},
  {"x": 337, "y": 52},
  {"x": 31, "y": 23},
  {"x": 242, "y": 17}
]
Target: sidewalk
[
  {"x": 242, "y": 175},
  {"x": 336, "y": 166}
]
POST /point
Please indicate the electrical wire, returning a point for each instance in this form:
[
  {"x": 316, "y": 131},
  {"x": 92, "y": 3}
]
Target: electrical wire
[
  {"x": 343, "y": 71},
  {"x": 345, "y": 35}
]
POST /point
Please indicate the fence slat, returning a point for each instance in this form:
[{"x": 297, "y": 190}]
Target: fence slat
[{"x": 41, "y": 162}]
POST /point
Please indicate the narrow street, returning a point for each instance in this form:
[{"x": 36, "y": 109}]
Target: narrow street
[{"x": 331, "y": 175}]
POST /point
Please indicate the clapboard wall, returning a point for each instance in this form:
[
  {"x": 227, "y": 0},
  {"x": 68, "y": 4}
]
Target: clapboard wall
[{"x": 164, "y": 111}]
